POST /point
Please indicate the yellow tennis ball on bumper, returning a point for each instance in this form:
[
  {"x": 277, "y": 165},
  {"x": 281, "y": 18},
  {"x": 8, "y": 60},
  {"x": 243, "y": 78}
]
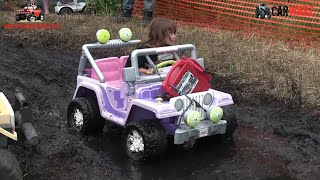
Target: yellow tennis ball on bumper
[
  {"x": 215, "y": 113},
  {"x": 192, "y": 118},
  {"x": 125, "y": 34},
  {"x": 103, "y": 36}
]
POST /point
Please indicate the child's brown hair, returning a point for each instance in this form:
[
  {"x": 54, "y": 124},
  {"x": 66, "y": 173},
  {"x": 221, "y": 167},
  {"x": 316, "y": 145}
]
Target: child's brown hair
[{"x": 159, "y": 28}]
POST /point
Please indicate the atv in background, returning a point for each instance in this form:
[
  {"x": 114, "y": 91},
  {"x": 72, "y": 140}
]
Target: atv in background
[
  {"x": 30, "y": 13},
  {"x": 13, "y": 119}
]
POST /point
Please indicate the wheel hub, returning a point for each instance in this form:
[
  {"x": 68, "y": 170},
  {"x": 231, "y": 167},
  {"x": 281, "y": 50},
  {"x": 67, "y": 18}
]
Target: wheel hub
[
  {"x": 78, "y": 118},
  {"x": 135, "y": 142}
]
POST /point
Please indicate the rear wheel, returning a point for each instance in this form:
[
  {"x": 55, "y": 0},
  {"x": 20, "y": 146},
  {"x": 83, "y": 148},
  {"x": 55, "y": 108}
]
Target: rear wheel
[
  {"x": 41, "y": 17},
  {"x": 65, "y": 11},
  {"x": 9, "y": 166},
  {"x": 84, "y": 116},
  {"x": 144, "y": 141},
  {"x": 18, "y": 17}
]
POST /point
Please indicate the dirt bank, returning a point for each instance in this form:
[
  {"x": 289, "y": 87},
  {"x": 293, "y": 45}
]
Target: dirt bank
[{"x": 269, "y": 142}]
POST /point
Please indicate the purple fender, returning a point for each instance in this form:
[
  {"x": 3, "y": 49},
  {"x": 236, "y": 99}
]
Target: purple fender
[
  {"x": 149, "y": 109},
  {"x": 107, "y": 111}
]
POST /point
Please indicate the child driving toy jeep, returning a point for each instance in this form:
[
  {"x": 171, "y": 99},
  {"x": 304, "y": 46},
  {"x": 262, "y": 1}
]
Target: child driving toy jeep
[
  {"x": 162, "y": 32},
  {"x": 107, "y": 91}
]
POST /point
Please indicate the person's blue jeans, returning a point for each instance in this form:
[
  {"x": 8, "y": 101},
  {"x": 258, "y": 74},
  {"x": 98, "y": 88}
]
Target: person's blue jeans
[{"x": 128, "y": 5}]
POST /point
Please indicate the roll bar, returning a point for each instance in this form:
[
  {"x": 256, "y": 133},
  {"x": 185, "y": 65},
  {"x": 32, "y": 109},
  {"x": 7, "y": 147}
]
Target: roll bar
[
  {"x": 86, "y": 55},
  {"x": 160, "y": 50}
]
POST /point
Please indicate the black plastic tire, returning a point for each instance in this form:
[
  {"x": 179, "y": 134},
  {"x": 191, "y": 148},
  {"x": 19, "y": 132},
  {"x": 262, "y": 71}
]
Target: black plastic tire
[
  {"x": 232, "y": 122},
  {"x": 92, "y": 120},
  {"x": 9, "y": 166},
  {"x": 18, "y": 18},
  {"x": 65, "y": 11},
  {"x": 32, "y": 18},
  {"x": 257, "y": 12},
  {"x": 41, "y": 17},
  {"x": 262, "y": 13},
  {"x": 154, "y": 140},
  {"x": 83, "y": 10}
]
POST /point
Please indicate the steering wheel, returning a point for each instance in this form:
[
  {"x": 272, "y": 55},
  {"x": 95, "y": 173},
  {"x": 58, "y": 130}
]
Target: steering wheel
[{"x": 164, "y": 64}]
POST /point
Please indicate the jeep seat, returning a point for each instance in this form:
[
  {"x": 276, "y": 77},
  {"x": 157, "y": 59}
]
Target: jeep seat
[
  {"x": 124, "y": 59},
  {"x": 111, "y": 69}
]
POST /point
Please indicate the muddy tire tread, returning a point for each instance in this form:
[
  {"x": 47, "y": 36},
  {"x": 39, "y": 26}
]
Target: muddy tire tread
[
  {"x": 154, "y": 138},
  {"x": 92, "y": 120},
  {"x": 9, "y": 166}
]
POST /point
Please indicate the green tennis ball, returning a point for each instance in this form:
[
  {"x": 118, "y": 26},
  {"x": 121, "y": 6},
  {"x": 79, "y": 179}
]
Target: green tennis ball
[
  {"x": 103, "y": 36},
  {"x": 193, "y": 119},
  {"x": 216, "y": 114},
  {"x": 125, "y": 34}
]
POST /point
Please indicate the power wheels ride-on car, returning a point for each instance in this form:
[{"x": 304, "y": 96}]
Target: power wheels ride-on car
[
  {"x": 262, "y": 11},
  {"x": 175, "y": 102},
  {"x": 10, "y": 120},
  {"x": 69, "y": 7},
  {"x": 30, "y": 13}
]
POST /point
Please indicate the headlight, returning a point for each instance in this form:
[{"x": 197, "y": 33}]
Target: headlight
[
  {"x": 178, "y": 105},
  {"x": 215, "y": 113},
  {"x": 192, "y": 118},
  {"x": 207, "y": 99}
]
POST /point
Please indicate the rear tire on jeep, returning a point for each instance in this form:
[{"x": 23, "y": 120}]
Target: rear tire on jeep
[
  {"x": 41, "y": 17},
  {"x": 65, "y": 10},
  {"x": 84, "y": 116},
  {"x": 144, "y": 141},
  {"x": 9, "y": 166},
  {"x": 17, "y": 17}
]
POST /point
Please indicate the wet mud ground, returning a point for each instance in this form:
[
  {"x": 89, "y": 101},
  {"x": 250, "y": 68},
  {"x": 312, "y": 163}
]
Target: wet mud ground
[{"x": 267, "y": 143}]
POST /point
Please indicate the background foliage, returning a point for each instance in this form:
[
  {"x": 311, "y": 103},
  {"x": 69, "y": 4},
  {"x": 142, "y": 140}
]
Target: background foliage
[{"x": 104, "y": 7}]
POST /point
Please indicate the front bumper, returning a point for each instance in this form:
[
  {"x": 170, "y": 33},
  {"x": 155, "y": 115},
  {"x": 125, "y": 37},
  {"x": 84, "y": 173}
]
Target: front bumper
[{"x": 205, "y": 128}]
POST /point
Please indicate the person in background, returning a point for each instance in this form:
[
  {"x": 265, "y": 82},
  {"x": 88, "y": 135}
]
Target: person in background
[
  {"x": 148, "y": 10},
  {"x": 45, "y": 5},
  {"x": 162, "y": 32}
]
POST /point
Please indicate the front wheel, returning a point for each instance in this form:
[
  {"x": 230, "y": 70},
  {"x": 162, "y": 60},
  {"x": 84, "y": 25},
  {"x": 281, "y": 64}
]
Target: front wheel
[
  {"x": 32, "y": 18},
  {"x": 9, "y": 166},
  {"x": 144, "y": 141},
  {"x": 262, "y": 14}
]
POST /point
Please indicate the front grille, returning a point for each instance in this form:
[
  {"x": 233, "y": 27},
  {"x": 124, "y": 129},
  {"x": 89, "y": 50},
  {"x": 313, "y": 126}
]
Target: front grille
[{"x": 193, "y": 107}]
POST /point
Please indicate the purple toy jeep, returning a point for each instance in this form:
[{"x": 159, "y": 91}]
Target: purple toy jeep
[{"x": 107, "y": 92}]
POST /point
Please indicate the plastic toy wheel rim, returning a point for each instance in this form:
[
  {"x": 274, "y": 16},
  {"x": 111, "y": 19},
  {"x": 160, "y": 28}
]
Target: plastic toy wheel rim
[
  {"x": 78, "y": 118},
  {"x": 32, "y": 18},
  {"x": 135, "y": 142}
]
